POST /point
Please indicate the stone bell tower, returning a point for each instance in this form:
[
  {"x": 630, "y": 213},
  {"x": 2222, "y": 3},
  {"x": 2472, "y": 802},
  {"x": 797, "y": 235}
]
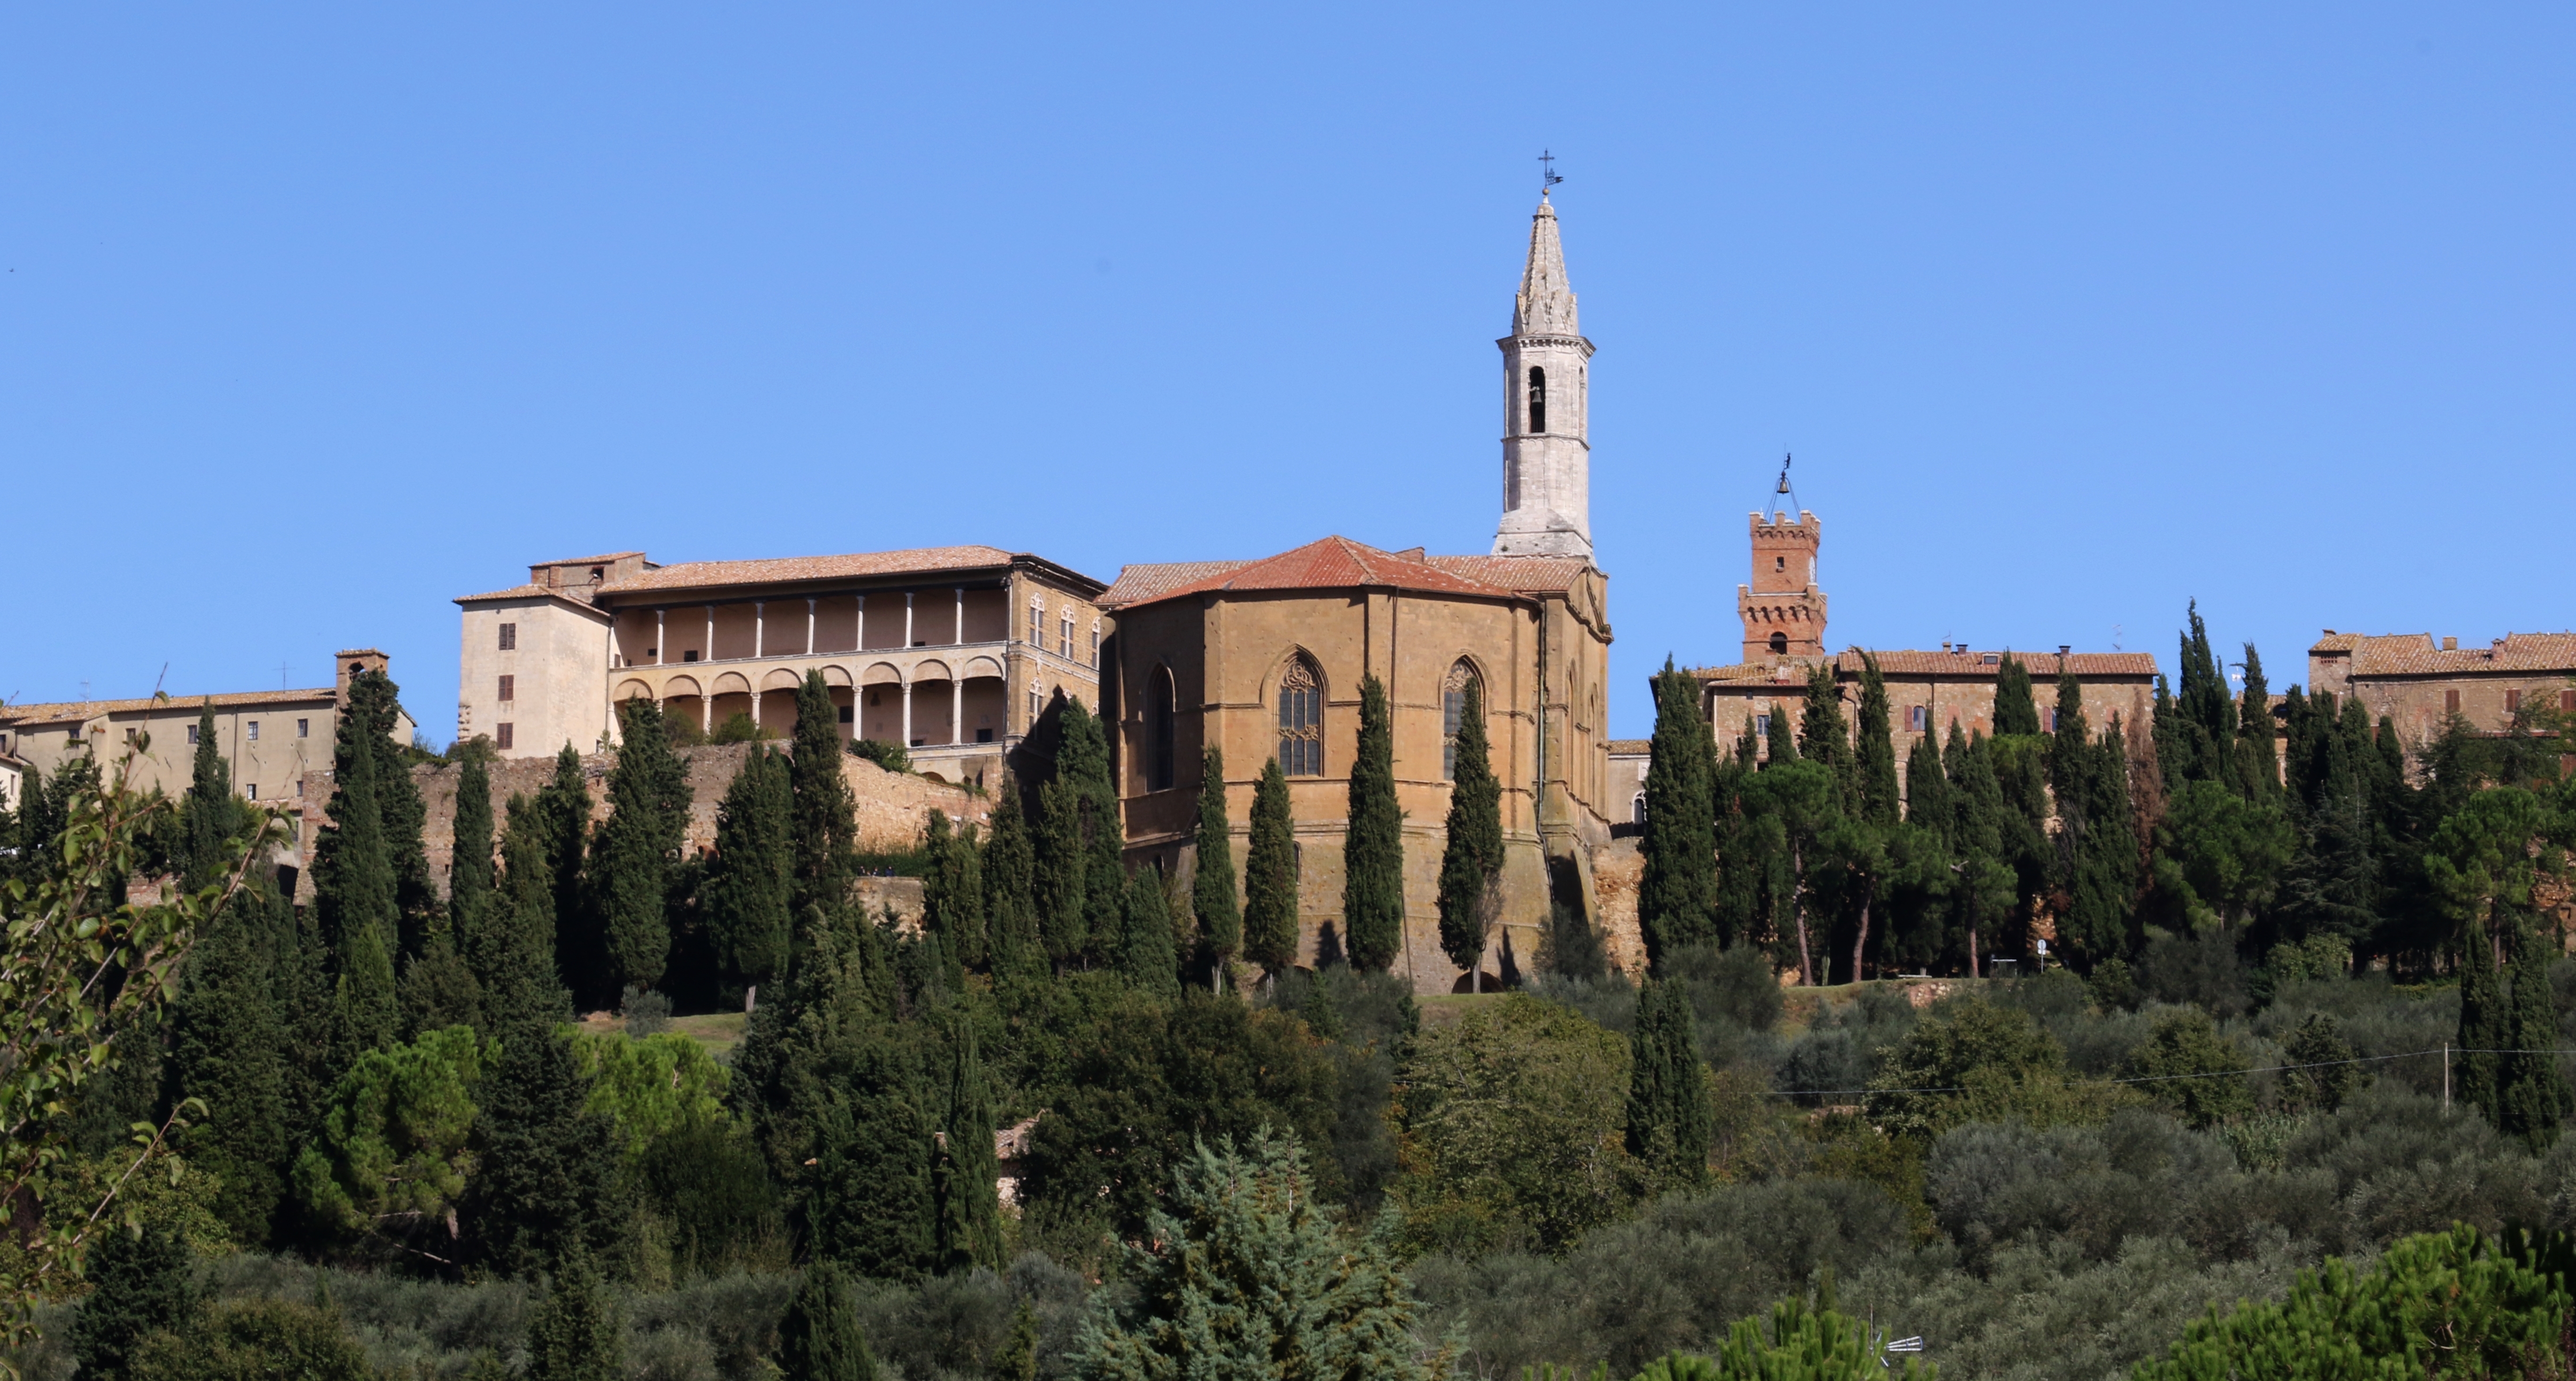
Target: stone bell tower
[{"x": 1547, "y": 460}]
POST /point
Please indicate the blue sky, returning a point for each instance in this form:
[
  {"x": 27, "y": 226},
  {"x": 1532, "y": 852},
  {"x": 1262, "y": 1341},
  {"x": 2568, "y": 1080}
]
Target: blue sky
[{"x": 316, "y": 317}]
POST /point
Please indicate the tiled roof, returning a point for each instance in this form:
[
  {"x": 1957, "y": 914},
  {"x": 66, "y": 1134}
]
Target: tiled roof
[
  {"x": 62, "y": 710},
  {"x": 696, "y": 575},
  {"x": 1525, "y": 574},
  {"x": 1787, "y": 673},
  {"x": 1155, "y": 579},
  {"x": 1630, "y": 747},
  {"x": 2415, "y": 654},
  {"x": 1334, "y": 563},
  {"x": 601, "y": 560},
  {"x": 579, "y": 594},
  {"x": 2340, "y": 642},
  {"x": 1963, "y": 663}
]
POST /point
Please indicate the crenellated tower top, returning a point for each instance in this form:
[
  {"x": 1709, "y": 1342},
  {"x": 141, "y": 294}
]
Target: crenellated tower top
[{"x": 1782, "y": 610}]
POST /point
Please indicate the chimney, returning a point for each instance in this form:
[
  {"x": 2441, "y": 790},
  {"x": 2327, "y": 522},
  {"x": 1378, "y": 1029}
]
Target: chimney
[
  {"x": 2450, "y": 644},
  {"x": 2064, "y": 648}
]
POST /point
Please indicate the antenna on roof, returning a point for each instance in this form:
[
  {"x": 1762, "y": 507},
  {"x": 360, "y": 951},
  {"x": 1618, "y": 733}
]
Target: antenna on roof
[{"x": 1548, "y": 176}]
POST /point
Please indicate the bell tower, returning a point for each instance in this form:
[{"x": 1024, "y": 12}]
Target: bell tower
[
  {"x": 1783, "y": 611},
  {"x": 1547, "y": 458}
]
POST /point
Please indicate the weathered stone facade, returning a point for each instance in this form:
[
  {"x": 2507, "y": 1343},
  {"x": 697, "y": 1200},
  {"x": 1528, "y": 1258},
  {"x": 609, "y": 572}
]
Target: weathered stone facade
[
  {"x": 1547, "y": 388},
  {"x": 2418, "y": 686}
]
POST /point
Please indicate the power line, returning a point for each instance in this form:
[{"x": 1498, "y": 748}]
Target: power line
[{"x": 2167, "y": 1078}]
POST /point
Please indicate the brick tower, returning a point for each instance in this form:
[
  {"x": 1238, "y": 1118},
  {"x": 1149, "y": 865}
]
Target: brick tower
[{"x": 1783, "y": 611}]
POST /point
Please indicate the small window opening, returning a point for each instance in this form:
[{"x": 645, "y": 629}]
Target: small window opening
[
  {"x": 252, "y": 727},
  {"x": 509, "y": 639},
  {"x": 1779, "y": 642},
  {"x": 1161, "y": 732},
  {"x": 504, "y": 736},
  {"x": 509, "y": 688},
  {"x": 1538, "y": 400}
]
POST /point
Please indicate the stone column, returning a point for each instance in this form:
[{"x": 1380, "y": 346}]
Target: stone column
[
  {"x": 907, "y": 620},
  {"x": 907, "y": 709},
  {"x": 961, "y": 615},
  {"x": 706, "y": 710},
  {"x": 809, "y": 628},
  {"x": 657, "y": 636},
  {"x": 863, "y": 625},
  {"x": 759, "y": 633},
  {"x": 755, "y": 708},
  {"x": 956, "y": 708},
  {"x": 710, "y": 654}
]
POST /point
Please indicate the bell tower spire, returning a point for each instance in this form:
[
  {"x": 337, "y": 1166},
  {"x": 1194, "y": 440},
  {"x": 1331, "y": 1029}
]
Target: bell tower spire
[{"x": 1547, "y": 458}]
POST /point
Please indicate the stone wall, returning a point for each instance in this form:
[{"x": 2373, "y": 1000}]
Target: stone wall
[{"x": 891, "y": 807}]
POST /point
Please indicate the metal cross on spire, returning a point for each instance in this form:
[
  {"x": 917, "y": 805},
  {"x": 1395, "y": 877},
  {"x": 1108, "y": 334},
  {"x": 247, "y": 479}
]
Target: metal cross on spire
[{"x": 1548, "y": 176}]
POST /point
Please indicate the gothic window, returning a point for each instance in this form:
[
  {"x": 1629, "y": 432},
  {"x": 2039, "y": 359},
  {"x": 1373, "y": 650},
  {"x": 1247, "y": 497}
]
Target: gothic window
[
  {"x": 1301, "y": 721},
  {"x": 1037, "y": 622},
  {"x": 1453, "y": 707},
  {"x": 1160, "y": 712},
  {"x": 1064, "y": 635},
  {"x": 1637, "y": 809},
  {"x": 1538, "y": 400},
  {"x": 1779, "y": 642}
]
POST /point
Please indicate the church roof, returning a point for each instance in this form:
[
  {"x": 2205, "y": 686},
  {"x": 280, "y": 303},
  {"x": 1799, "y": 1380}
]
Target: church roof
[
  {"x": 1545, "y": 306},
  {"x": 2414, "y": 654},
  {"x": 1523, "y": 574},
  {"x": 1334, "y": 563},
  {"x": 1151, "y": 580}
]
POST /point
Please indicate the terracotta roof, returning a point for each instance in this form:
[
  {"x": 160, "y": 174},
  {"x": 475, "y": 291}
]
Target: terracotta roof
[
  {"x": 1525, "y": 574},
  {"x": 2339, "y": 642},
  {"x": 2415, "y": 654},
  {"x": 1334, "y": 563},
  {"x": 1787, "y": 673},
  {"x": 1630, "y": 747},
  {"x": 590, "y": 560},
  {"x": 693, "y": 575},
  {"x": 2042, "y": 665},
  {"x": 64, "y": 710},
  {"x": 1153, "y": 580},
  {"x": 578, "y": 594}
]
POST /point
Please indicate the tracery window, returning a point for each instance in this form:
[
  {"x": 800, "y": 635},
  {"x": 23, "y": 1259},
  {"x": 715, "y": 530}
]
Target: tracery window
[
  {"x": 1064, "y": 635},
  {"x": 1538, "y": 400},
  {"x": 1301, "y": 721},
  {"x": 1160, "y": 714},
  {"x": 1453, "y": 709}
]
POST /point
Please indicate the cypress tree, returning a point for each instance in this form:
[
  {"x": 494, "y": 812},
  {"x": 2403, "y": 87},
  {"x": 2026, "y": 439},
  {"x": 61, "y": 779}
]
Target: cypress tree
[
  {"x": 374, "y": 701},
  {"x": 637, "y": 846},
  {"x": 1009, "y": 888},
  {"x": 1927, "y": 784},
  {"x": 820, "y": 1339},
  {"x": 469, "y": 864},
  {"x": 2205, "y": 714},
  {"x": 1212, "y": 895},
  {"x": 1983, "y": 893},
  {"x": 511, "y": 950},
  {"x": 226, "y": 1047},
  {"x": 354, "y": 891},
  {"x": 2173, "y": 743},
  {"x": 576, "y": 931},
  {"x": 1146, "y": 954},
  {"x": 438, "y": 987},
  {"x": 953, "y": 894},
  {"x": 576, "y": 1334},
  {"x": 1471, "y": 861},
  {"x": 212, "y": 817},
  {"x": 545, "y": 1180},
  {"x": 750, "y": 879},
  {"x": 1825, "y": 736},
  {"x": 141, "y": 1283},
  {"x": 1060, "y": 873},
  {"x": 970, "y": 1212},
  {"x": 1082, "y": 776},
  {"x": 1270, "y": 876},
  {"x": 1373, "y": 845},
  {"x": 871, "y": 1204},
  {"x": 1879, "y": 803},
  {"x": 1780, "y": 737},
  {"x": 1677, "y": 896},
  {"x": 2258, "y": 764},
  {"x": 825, "y": 817},
  {"x": 2532, "y": 1099},
  {"x": 2486, "y": 1026},
  {"x": 2016, "y": 712},
  {"x": 1668, "y": 1113}
]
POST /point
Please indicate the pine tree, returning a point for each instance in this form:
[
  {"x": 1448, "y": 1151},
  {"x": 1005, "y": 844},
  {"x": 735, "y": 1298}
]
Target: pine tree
[
  {"x": 2016, "y": 712},
  {"x": 820, "y": 1339},
  {"x": 354, "y": 891},
  {"x": 970, "y": 1213},
  {"x": 636, "y": 847},
  {"x": 576, "y": 931},
  {"x": 469, "y": 865},
  {"x": 826, "y": 818},
  {"x": 1471, "y": 860},
  {"x": 1373, "y": 846},
  {"x": 1668, "y": 1112},
  {"x": 545, "y": 1184},
  {"x": 1146, "y": 954},
  {"x": 141, "y": 1283},
  {"x": 1677, "y": 896},
  {"x": 1927, "y": 785},
  {"x": 749, "y": 880},
  {"x": 2532, "y": 1098},
  {"x": 1879, "y": 803},
  {"x": 226, "y": 1045},
  {"x": 1270, "y": 876},
  {"x": 1212, "y": 897},
  {"x": 1018, "y": 1359},
  {"x": 511, "y": 949},
  {"x": 1009, "y": 889},
  {"x": 212, "y": 817},
  {"x": 576, "y": 1334},
  {"x": 2486, "y": 1024}
]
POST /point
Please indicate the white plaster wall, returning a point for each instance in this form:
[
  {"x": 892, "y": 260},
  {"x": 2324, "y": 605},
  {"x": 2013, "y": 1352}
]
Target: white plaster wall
[{"x": 561, "y": 671}]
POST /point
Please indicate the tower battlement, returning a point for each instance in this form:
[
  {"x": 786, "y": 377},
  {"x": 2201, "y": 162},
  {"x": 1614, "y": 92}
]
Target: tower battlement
[{"x": 1782, "y": 610}]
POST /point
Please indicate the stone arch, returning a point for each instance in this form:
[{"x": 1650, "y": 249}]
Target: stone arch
[
  {"x": 1162, "y": 728},
  {"x": 836, "y": 675},
  {"x": 1462, "y": 673},
  {"x": 733, "y": 683},
  {"x": 780, "y": 678},
  {"x": 634, "y": 690},
  {"x": 982, "y": 666},
  {"x": 930, "y": 670},
  {"x": 681, "y": 685},
  {"x": 882, "y": 674},
  {"x": 1297, "y": 701}
]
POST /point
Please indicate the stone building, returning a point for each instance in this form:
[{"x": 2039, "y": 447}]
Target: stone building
[
  {"x": 269, "y": 740},
  {"x": 2419, "y": 686},
  {"x": 951, "y": 651},
  {"x": 1782, "y": 609},
  {"x": 1264, "y": 659}
]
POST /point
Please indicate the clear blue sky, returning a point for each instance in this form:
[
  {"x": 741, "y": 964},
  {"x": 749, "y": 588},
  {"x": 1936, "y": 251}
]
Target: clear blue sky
[{"x": 316, "y": 317}]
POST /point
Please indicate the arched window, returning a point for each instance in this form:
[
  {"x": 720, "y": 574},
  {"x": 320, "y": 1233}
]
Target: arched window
[
  {"x": 1453, "y": 708},
  {"x": 1161, "y": 750},
  {"x": 1779, "y": 642},
  {"x": 1538, "y": 400},
  {"x": 1301, "y": 721},
  {"x": 1637, "y": 809}
]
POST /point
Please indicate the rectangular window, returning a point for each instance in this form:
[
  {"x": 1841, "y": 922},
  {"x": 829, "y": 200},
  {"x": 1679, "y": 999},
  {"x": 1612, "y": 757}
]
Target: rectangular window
[
  {"x": 983, "y": 736},
  {"x": 509, "y": 637},
  {"x": 1762, "y": 726},
  {"x": 2451, "y": 701},
  {"x": 1916, "y": 717},
  {"x": 129, "y": 735},
  {"x": 1064, "y": 637},
  {"x": 509, "y": 688},
  {"x": 2566, "y": 705},
  {"x": 299, "y": 790},
  {"x": 2052, "y": 719},
  {"x": 304, "y": 728},
  {"x": 192, "y": 735},
  {"x": 689, "y": 656},
  {"x": 2512, "y": 701},
  {"x": 847, "y": 713},
  {"x": 251, "y": 729},
  {"x": 502, "y": 737},
  {"x": 251, "y": 790}
]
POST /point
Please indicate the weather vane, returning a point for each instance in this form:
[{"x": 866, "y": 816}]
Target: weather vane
[{"x": 1548, "y": 176}]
